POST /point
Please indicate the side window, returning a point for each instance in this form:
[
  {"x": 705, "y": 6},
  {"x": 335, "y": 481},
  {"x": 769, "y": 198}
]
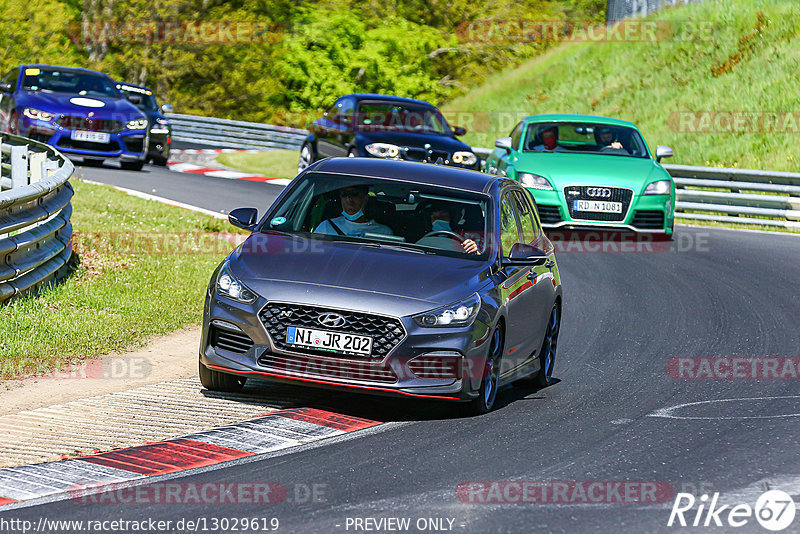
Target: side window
[
  {"x": 11, "y": 77},
  {"x": 346, "y": 108},
  {"x": 527, "y": 219},
  {"x": 516, "y": 135},
  {"x": 333, "y": 112},
  {"x": 509, "y": 229}
]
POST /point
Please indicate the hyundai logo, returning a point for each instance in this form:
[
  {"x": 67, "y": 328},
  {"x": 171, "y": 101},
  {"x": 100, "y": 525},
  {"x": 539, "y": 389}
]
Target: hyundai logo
[
  {"x": 331, "y": 320},
  {"x": 598, "y": 192}
]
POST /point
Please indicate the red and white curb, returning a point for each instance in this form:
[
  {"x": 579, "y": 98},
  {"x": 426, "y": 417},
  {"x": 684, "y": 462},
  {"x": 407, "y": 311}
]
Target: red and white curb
[
  {"x": 193, "y": 168},
  {"x": 278, "y": 430}
]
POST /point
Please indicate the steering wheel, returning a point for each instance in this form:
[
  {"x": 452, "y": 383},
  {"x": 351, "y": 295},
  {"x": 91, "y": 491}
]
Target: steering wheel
[
  {"x": 610, "y": 148},
  {"x": 445, "y": 233}
]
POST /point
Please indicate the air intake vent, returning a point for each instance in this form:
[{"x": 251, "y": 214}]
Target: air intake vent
[
  {"x": 221, "y": 339},
  {"x": 549, "y": 214},
  {"x": 436, "y": 366},
  {"x": 649, "y": 219}
]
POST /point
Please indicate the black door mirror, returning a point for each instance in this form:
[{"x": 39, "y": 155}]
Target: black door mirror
[
  {"x": 245, "y": 218},
  {"x": 458, "y": 130},
  {"x": 6, "y": 87},
  {"x": 524, "y": 255}
]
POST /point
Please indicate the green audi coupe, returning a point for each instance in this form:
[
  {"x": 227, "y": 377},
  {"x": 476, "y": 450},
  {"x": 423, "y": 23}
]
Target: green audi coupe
[{"x": 585, "y": 171}]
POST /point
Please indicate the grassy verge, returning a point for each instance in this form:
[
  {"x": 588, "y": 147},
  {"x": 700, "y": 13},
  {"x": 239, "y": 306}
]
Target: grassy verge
[
  {"x": 144, "y": 269},
  {"x": 272, "y": 163},
  {"x": 715, "y": 57}
]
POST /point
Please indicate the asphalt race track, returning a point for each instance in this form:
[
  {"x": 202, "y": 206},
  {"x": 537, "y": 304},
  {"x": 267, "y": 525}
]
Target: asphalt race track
[{"x": 714, "y": 293}]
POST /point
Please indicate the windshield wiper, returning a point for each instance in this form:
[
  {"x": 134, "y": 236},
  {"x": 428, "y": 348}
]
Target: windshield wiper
[{"x": 375, "y": 244}]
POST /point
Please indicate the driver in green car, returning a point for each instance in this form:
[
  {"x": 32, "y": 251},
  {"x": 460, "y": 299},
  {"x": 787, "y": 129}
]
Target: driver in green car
[{"x": 606, "y": 137}]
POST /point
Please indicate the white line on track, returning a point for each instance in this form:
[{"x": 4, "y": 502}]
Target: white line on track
[
  {"x": 668, "y": 412},
  {"x": 163, "y": 200}
]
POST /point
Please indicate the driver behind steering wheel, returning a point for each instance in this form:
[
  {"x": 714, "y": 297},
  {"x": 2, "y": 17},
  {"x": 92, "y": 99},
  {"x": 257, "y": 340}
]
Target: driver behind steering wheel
[
  {"x": 440, "y": 218},
  {"x": 606, "y": 138}
]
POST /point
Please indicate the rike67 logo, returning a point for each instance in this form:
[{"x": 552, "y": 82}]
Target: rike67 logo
[{"x": 774, "y": 510}]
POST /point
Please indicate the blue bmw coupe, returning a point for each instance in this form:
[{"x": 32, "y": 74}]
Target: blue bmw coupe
[{"x": 78, "y": 111}]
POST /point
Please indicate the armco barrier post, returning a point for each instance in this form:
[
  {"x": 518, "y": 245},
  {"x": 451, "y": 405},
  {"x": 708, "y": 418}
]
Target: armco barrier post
[
  {"x": 36, "y": 160},
  {"x": 19, "y": 166}
]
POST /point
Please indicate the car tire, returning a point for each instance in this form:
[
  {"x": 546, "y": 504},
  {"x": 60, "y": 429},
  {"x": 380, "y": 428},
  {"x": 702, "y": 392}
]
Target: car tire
[
  {"x": 132, "y": 165},
  {"x": 160, "y": 161},
  {"x": 307, "y": 157},
  {"x": 487, "y": 394},
  {"x": 547, "y": 354},
  {"x": 217, "y": 381}
]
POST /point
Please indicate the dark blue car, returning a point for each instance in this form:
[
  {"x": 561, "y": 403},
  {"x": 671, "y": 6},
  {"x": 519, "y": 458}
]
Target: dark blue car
[
  {"x": 160, "y": 128},
  {"x": 78, "y": 111},
  {"x": 386, "y": 127}
]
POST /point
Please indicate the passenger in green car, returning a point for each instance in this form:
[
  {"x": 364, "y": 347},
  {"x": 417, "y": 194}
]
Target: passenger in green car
[{"x": 549, "y": 137}]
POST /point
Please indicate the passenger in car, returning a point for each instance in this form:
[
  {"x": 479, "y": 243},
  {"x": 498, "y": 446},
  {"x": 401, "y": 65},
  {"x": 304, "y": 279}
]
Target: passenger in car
[
  {"x": 353, "y": 221},
  {"x": 549, "y": 138},
  {"x": 440, "y": 218}
]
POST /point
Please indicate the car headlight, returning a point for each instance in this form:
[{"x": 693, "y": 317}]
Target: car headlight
[
  {"x": 465, "y": 158},
  {"x": 136, "y": 124},
  {"x": 661, "y": 187},
  {"x": 534, "y": 181},
  {"x": 229, "y": 286},
  {"x": 383, "y": 150},
  {"x": 460, "y": 313},
  {"x": 32, "y": 113}
]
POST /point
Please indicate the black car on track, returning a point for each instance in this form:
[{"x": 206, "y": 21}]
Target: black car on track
[
  {"x": 387, "y": 277},
  {"x": 160, "y": 129},
  {"x": 386, "y": 127}
]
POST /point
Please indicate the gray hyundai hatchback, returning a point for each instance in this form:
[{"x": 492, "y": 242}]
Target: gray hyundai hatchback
[{"x": 387, "y": 277}]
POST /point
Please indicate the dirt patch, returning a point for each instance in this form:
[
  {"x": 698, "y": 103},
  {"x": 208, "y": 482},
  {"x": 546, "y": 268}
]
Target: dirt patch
[{"x": 163, "y": 358}]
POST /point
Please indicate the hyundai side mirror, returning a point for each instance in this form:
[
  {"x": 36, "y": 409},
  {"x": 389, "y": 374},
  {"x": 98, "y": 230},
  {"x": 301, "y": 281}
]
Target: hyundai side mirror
[
  {"x": 167, "y": 108},
  {"x": 458, "y": 130},
  {"x": 245, "y": 218},
  {"x": 503, "y": 142},
  {"x": 663, "y": 151},
  {"x": 524, "y": 255},
  {"x": 6, "y": 87}
]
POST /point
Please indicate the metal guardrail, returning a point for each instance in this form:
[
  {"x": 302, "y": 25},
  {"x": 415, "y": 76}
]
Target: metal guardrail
[
  {"x": 35, "y": 210},
  {"x": 226, "y": 133},
  {"x": 621, "y": 9},
  {"x": 765, "y": 198}
]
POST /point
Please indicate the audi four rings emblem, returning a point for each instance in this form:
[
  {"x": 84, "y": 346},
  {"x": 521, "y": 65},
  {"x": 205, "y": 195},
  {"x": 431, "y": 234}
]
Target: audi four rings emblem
[
  {"x": 598, "y": 192},
  {"x": 332, "y": 320}
]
